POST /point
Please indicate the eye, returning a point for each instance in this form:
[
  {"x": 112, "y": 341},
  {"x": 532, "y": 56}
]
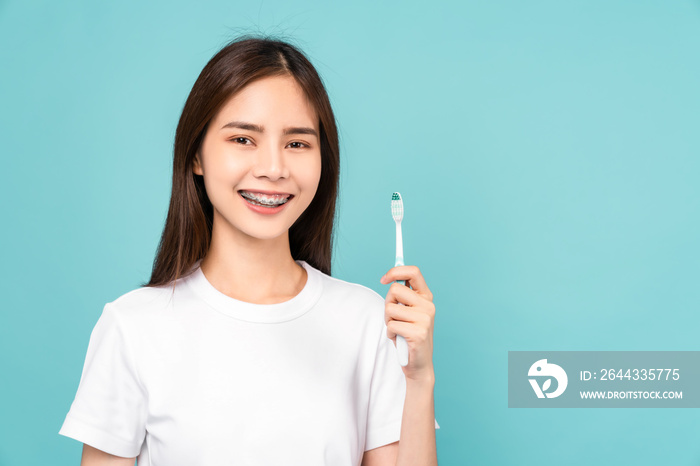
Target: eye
[
  {"x": 241, "y": 140},
  {"x": 298, "y": 147}
]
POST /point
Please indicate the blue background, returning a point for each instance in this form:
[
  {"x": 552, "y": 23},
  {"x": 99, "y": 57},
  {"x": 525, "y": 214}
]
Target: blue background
[{"x": 547, "y": 153}]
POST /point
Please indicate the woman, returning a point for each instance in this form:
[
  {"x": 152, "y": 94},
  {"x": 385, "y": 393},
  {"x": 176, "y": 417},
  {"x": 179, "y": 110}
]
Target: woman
[{"x": 242, "y": 349}]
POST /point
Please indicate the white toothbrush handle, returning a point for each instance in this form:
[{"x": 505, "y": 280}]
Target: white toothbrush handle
[{"x": 401, "y": 345}]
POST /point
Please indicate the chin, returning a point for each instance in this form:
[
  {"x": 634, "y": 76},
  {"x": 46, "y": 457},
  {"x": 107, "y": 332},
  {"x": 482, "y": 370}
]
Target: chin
[{"x": 265, "y": 234}]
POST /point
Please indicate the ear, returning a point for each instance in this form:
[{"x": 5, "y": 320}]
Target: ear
[{"x": 196, "y": 165}]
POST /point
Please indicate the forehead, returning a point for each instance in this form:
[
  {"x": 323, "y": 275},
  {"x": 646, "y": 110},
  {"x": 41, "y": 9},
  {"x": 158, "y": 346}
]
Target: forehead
[{"x": 273, "y": 99}]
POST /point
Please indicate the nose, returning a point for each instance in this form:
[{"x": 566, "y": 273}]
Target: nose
[{"x": 270, "y": 163}]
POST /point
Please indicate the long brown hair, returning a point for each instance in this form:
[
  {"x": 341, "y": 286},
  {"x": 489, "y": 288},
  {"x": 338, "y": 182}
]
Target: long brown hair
[{"x": 188, "y": 226}]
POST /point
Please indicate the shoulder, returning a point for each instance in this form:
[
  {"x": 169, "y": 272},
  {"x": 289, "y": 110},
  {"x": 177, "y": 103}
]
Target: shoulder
[
  {"x": 142, "y": 302},
  {"x": 351, "y": 293},
  {"x": 338, "y": 285}
]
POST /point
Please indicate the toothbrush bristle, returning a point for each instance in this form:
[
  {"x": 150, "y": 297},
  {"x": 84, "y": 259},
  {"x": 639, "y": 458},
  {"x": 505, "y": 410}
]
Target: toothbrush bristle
[{"x": 396, "y": 207}]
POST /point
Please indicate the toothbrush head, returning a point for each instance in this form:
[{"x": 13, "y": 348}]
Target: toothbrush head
[{"x": 396, "y": 207}]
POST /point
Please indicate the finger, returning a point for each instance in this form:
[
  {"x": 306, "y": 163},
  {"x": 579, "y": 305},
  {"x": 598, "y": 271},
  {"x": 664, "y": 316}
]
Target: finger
[
  {"x": 402, "y": 313},
  {"x": 412, "y": 275},
  {"x": 411, "y": 332},
  {"x": 399, "y": 293}
]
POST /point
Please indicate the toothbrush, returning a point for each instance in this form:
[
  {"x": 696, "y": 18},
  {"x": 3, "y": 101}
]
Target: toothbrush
[{"x": 397, "y": 214}]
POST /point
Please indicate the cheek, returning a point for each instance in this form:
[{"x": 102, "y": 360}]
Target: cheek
[
  {"x": 226, "y": 169},
  {"x": 310, "y": 175}
]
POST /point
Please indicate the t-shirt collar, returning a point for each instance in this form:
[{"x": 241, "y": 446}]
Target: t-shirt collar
[{"x": 261, "y": 313}]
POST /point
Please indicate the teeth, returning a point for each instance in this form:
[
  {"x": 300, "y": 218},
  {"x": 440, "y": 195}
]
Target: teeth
[
  {"x": 265, "y": 199},
  {"x": 250, "y": 201}
]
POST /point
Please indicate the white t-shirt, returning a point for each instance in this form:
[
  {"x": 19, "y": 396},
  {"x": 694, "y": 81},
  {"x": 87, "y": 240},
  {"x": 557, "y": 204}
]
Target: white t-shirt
[{"x": 187, "y": 375}]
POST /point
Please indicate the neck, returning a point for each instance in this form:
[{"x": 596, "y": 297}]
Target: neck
[{"x": 254, "y": 270}]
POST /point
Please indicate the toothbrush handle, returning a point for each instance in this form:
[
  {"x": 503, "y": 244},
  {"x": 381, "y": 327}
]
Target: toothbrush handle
[{"x": 401, "y": 345}]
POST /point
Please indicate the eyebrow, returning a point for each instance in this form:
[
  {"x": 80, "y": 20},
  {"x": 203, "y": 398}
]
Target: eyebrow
[{"x": 260, "y": 129}]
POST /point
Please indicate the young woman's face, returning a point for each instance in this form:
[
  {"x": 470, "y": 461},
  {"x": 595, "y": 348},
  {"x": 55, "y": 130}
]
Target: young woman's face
[{"x": 265, "y": 139}]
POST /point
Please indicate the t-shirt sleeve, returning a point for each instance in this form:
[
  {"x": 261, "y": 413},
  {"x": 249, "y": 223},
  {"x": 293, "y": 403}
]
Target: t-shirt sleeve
[
  {"x": 387, "y": 396},
  {"x": 109, "y": 409}
]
